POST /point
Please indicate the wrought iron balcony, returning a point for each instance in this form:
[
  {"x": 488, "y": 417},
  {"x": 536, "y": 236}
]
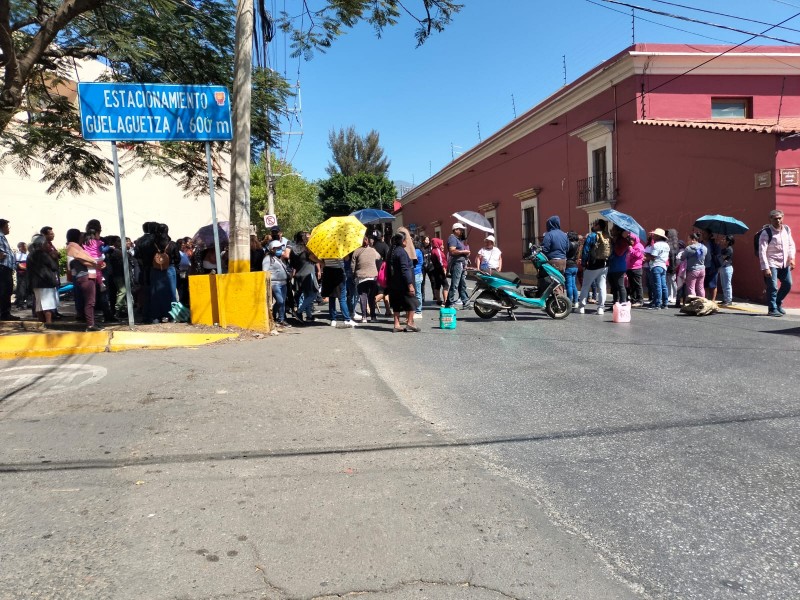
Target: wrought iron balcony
[{"x": 596, "y": 189}]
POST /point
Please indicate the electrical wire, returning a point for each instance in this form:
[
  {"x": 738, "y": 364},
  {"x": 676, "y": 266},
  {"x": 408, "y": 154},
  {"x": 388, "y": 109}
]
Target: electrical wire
[
  {"x": 605, "y": 113},
  {"x": 719, "y": 14},
  {"x": 717, "y": 25},
  {"x": 657, "y": 23}
]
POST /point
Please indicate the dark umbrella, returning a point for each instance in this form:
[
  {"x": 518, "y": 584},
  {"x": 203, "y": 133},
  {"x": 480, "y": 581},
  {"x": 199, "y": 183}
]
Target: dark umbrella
[
  {"x": 372, "y": 216},
  {"x": 473, "y": 219},
  {"x": 721, "y": 224},
  {"x": 623, "y": 221},
  {"x": 204, "y": 238}
]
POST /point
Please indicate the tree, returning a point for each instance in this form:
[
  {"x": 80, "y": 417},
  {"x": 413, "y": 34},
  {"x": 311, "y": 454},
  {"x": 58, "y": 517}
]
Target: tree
[
  {"x": 353, "y": 154},
  {"x": 169, "y": 41},
  {"x": 296, "y": 199},
  {"x": 342, "y": 194}
]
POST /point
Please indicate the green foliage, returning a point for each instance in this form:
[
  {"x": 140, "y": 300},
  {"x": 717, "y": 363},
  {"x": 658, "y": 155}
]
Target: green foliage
[
  {"x": 335, "y": 16},
  {"x": 342, "y": 194},
  {"x": 296, "y": 199},
  {"x": 62, "y": 261},
  {"x": 354, "y": 154},
  {"x": 165, "y": 41}
]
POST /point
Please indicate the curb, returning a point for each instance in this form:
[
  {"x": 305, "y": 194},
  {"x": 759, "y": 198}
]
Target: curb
[{"x": 42, "y": 345}]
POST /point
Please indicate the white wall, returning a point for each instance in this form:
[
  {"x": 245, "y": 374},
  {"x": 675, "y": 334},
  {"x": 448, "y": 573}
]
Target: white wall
[{"x": 24, "y": 202}]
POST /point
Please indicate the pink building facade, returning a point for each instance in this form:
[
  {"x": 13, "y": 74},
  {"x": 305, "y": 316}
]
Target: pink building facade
[{"x": 665, "y": 133}]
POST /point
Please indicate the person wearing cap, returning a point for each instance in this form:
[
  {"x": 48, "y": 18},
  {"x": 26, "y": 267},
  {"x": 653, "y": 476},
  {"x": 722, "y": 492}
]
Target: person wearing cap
[
  {"x": 7, "y": 266},
  {"x": 458, "y": 261},
  {"x": 279, "y": 280},
  {"x": 490, "y": 258},
  {"x": 658, "y": 255}
]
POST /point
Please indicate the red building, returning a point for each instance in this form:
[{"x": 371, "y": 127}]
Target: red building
[{"x": 665, "y": 133}]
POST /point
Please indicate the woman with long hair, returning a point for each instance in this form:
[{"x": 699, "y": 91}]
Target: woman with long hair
[
  {"x": 618, "y": 264},
  {"x": 364, "y": 264},
  {"x": 83, "y": 271},
  {"x": 402, "y": 291},
  {"x": 42, "y": 273},
  {"x": 163, "y": 278}
]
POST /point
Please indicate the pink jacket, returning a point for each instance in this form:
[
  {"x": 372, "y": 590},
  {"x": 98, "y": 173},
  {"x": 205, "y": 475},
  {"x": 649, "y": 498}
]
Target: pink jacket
[{"x": 636, "y": 253}]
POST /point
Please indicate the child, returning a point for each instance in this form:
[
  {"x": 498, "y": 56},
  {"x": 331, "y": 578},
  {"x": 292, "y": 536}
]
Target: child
[
  {"x": 726, "y": 268},
  {"x": 695, "y": 255},
  {"x": 94, "y": 248}
]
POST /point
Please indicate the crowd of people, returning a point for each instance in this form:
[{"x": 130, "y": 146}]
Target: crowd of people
[
  {"x": 392, "y": 269},
  {"x": 95, "y": 274},
  {"x": 669, "y": 268}
]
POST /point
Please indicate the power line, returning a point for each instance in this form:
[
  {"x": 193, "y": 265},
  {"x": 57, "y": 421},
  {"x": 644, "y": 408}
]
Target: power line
[
  {"x": 707, "y": 37},
  {"x": 717, "y": 25},
  {"x": 616, "y": 107},
  {"x": 719, "y": 14}
]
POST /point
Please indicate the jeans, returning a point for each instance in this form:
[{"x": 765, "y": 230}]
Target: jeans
[
  {"x": 458, "y": 283},
  {"x": 618, "y": 291},
  {"x": 341, "y": 292},
  {"x": 366, "y": 292},
  {"x": 774, "y": 295},
  {"x": 591, "y": 276},
  {"x": 6, "y": 289},
  {"x": 635, "y": 293},
  {"x": 725, "y": 278},
  {"x": 660, "y": 293},
  {"x": 279, "y": 308},
  {"x": 571, "y": 275},
  {"x": 418, "y": 283}
]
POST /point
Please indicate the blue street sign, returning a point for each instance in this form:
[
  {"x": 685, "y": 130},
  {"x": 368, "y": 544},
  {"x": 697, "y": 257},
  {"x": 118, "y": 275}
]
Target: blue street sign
[{"x": 147, "y": 112}]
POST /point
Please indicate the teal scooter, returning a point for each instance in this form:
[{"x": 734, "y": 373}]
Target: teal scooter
[{"x": 496, "y": 291}]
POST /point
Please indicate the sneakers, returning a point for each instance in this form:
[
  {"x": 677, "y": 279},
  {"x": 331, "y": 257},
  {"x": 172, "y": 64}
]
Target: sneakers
[
  {"x": 333, "y": 323},
  {"x": 284, "y": 324},
  {"x": 780, "y": 310},
  {"x": 350, "y": 323},
  {"x": 600, "y": 310},
  {"x": 581, "y": 309},
  {"x": 774, "y": 313}
]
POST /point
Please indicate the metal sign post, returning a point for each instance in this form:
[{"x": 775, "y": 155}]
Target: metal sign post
[
  {"x": 125, "y": 261},
  {"x": 144, "y": 112}
]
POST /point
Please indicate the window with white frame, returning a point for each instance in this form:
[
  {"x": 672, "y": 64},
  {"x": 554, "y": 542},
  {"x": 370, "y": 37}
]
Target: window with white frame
[{"x": 530, "y": 223}]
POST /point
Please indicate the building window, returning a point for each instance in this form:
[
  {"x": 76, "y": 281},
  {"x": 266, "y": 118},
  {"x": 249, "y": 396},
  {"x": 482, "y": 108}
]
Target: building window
[
  {"x": 530, "y": 223},
  {"x": 491, "y": 216},
  {"x": 731, "y": 108},
  {"x": 437, "y": 232}
]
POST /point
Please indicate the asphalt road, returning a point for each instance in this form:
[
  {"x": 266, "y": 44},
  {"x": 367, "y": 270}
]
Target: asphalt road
[{"x": 528, "y": 459}]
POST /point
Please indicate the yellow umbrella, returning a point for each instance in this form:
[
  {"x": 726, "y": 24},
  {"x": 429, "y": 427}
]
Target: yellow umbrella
[{"x": 337, "y": 237}]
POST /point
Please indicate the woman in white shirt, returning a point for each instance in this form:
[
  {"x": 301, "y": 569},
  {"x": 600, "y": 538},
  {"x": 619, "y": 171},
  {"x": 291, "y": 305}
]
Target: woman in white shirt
[{"x": 490, "y": 258}]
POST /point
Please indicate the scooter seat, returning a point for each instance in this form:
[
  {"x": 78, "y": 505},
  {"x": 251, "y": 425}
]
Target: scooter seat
[{"x": 507, "y": 276}]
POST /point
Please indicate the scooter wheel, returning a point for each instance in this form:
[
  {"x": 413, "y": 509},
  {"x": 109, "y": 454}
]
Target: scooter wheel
[
  {"x": 558, "y": 306},
  {"x": 485, "y": 313}
]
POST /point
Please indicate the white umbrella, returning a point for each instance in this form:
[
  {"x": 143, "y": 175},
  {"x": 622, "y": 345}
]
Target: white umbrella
[{"x": 473, "y": 219}]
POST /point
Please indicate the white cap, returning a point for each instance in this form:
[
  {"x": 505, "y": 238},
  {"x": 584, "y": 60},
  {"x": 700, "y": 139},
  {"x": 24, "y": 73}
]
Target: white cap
[
  {"x": 459, "y": 226},
  {"x": 275, "y": 244},
  {"x": 490, "y": 238}
]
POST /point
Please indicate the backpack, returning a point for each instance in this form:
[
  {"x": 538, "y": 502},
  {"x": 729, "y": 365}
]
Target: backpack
[
  {"x": 602, "y": 247},
  {"x": 161, "y": 260},
  {"x": 768, "y": 229},
  {"x": 427, "y": 261},
  {"x": 383, "y": 278}
]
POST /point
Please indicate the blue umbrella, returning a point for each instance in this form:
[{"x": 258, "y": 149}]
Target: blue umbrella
[
  {"x": 623, "y": 221},
  {"x": 372, "y": 216},
  {"x": 721, "y": 224}
]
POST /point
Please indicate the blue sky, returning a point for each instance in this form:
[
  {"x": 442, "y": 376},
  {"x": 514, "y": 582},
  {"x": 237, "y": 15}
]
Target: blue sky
[{"x": 423, "y": 100}]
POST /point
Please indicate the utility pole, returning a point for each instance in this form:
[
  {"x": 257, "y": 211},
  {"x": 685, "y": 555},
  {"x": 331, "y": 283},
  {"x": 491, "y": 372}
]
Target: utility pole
[{"x": 239, "y": 234}]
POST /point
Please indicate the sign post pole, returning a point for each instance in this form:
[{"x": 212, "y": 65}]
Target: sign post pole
[
  {"x": 213, "y": 207},
  {"x": 125, "y": 262}
]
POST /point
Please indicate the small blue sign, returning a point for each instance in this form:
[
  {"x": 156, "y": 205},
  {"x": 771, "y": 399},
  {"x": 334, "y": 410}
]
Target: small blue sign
[{"x": 147, "y": 112}]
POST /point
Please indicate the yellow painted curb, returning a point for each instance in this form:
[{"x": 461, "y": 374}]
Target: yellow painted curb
[
  {"x": 128, "y": 340},
  {"x": 52, "y": 343}
]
